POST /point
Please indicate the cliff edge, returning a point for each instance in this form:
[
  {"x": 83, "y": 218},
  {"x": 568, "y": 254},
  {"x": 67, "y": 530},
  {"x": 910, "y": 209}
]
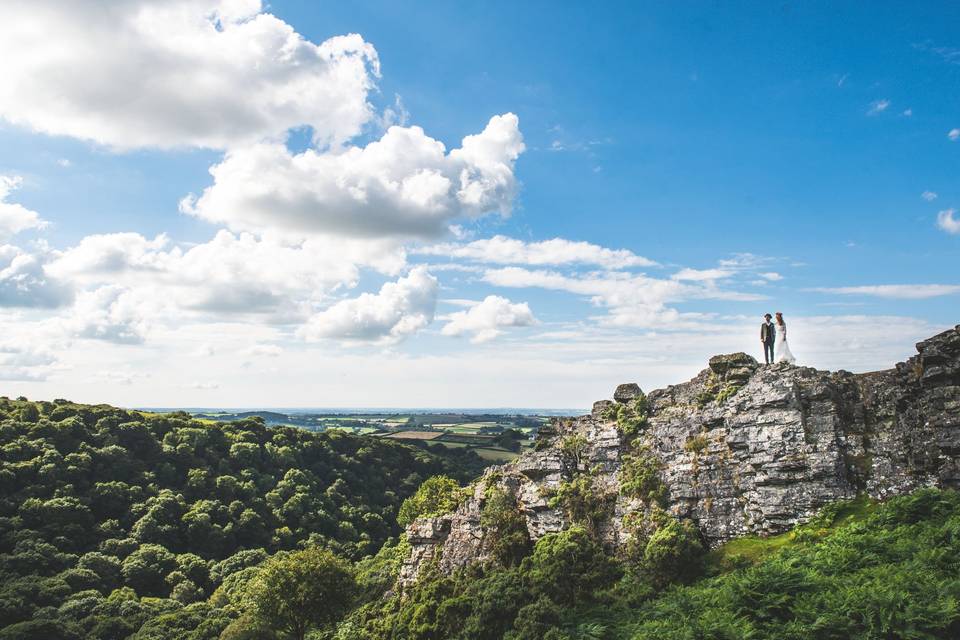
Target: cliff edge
[{"x": 740, "y": 449}]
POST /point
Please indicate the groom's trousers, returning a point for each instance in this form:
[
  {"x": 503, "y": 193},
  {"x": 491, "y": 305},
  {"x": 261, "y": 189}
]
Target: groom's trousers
[{"x": 768, "y": 352}]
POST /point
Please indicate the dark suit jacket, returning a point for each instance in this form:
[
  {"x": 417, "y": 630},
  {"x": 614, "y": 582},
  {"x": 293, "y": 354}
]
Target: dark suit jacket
[{"x": 768, "y": 332}]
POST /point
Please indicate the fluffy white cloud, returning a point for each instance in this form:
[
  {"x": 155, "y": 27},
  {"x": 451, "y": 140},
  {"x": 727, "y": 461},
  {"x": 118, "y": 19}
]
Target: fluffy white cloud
[
  {"x": 771, "y": 276},
  {"x": 895, "y": 291},
  {"x": 487, "y": 320},
  {"x": 954, "y": 135},
  {"x": 947, "y": 222},
  {"x": 108, "y": 313},
  {"x": 929, "y": 196},
  {"x": 402, "y": 185},
  {"x": 25, "y": 283},
  {"x": 230, "y": 273},
  {"x": 169, "y": 73},
  {"x": 558, "y": 251},
  {"x": 14, "y": 217},
  {"x": 400, "y": 309}
]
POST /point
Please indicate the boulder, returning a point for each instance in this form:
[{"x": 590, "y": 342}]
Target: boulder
[{"x": 626, "y": 393}]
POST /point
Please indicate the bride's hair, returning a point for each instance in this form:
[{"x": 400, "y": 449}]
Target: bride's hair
[{"x": 779, "y": 318}]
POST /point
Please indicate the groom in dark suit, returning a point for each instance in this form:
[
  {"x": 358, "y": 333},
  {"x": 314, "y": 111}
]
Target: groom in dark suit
[{"x": 768, "y": 335}]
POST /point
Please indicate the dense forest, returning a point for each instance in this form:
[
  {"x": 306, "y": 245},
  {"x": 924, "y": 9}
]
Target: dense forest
[
  {"x": 110, "y": 519},
  {"x": 117, "y": 524}
]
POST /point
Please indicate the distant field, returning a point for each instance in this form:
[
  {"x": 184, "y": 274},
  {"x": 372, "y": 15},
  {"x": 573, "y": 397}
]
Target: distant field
[{"x": 415, "y": 435}]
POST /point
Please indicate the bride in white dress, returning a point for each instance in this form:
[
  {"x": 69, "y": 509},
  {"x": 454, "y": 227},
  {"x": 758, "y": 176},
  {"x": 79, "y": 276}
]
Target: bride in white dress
[{"x": 782, "y": 348}]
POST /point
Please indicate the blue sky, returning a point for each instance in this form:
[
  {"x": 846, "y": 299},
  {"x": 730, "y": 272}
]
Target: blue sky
[{"x": 694, "y": 165}]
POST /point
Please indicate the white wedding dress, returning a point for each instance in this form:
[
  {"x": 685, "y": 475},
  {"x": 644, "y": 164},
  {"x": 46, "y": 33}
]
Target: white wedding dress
[{"x": 782, "y": 348}]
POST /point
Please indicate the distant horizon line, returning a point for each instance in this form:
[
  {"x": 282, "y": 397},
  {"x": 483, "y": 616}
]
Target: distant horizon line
[{"x": 374, "y": 410}]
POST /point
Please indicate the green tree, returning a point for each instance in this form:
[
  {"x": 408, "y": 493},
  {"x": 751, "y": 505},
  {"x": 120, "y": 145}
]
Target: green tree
[
  {"x": 303, "y": 590},
  {"x": 569, "y": 566}
]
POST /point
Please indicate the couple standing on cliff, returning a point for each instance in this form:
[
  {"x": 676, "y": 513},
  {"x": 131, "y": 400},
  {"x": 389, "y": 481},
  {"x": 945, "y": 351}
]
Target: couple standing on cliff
[{"x": 774, "y": 339}]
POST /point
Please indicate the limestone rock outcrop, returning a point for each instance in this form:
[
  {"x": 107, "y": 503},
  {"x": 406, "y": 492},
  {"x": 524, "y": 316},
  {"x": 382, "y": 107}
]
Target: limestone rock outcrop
[{"x": 740, "y": 449}]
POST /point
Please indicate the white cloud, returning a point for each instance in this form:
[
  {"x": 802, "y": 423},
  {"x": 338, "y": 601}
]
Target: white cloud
[
  {"x": 14, "y": 217},
  {"x": 929, "y": 196},
  {"x": 265, "y": 350},
  {"x": 487, "y": 319},
  {"x": 742, "y": 261},
  {"x": 771, "y": 276},
  {"x": 877, "y": 107},
  {"x": 230, "y": 273},
  {"x": 504, "y": 250},
  {"x": 25, "y": 283},
  {"x": 947, "y": 222},
  {"x": 701, "y": 275},
  {"x": 108, "y": 313},
  {"x": 633, "y": 300},
  {"x": 908, "y": 112},
  {"x": 171, "y": 73},
  {"x": 400, "y": 309},
  {"x": 895, "y": 291},
  {"x": 954, "y": 135},
  {"x": 402, "y": 185},
  {"x": 20, "y": 362}
]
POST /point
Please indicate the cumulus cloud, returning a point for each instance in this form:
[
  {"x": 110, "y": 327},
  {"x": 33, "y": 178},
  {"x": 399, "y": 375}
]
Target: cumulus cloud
[
  {"x": 403, "y": 185},
  {"x": 108, "y": 313},
  {"x": 14, "y": 217},
  {"x": 397, "y": 311},
  {"x": 947, "y": 222},
  {"x": 231, "y": 273},
  {"x": 25, "y": 283},
  {"x": 954, "y": 135},
  {"x": 895, "y": 291},
  {"x": 929, "y": 196},
  {"x": 487, "y": 320},
  {"x": 558, "y": 251},
  {"x": 170, "y": 73}
]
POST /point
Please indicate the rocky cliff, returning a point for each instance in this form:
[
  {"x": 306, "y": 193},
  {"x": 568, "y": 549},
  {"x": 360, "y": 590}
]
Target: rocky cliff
[{"x": 742, "y": 448}]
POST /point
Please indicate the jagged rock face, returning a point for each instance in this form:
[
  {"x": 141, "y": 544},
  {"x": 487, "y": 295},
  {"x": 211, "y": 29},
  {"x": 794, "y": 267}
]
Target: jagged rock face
[{"x": 743, "y": 449}]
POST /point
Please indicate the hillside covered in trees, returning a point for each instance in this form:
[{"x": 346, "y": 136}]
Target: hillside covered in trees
[
  {"x": 117, "y": 523},
  {"x": 122, "y": 525}
]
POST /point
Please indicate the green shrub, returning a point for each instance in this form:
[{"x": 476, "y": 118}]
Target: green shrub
[
  {"x": 570, "y": 566},
  {"x": 640, "y": 476},
  {"x": 436, "y": 496},
  {"x": 673, "y": 553},
  {"x": 505, "y": 528},
  {"x": 582, "y": 501},
  {"x": 572, "y": 450}
]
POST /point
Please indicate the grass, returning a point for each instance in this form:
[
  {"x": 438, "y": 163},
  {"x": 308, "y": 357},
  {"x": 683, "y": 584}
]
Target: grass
[
  {"x": 859, "y": 570},
  {"x": 496, "y": 455},
  {"x": 749, "y": 550}
]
